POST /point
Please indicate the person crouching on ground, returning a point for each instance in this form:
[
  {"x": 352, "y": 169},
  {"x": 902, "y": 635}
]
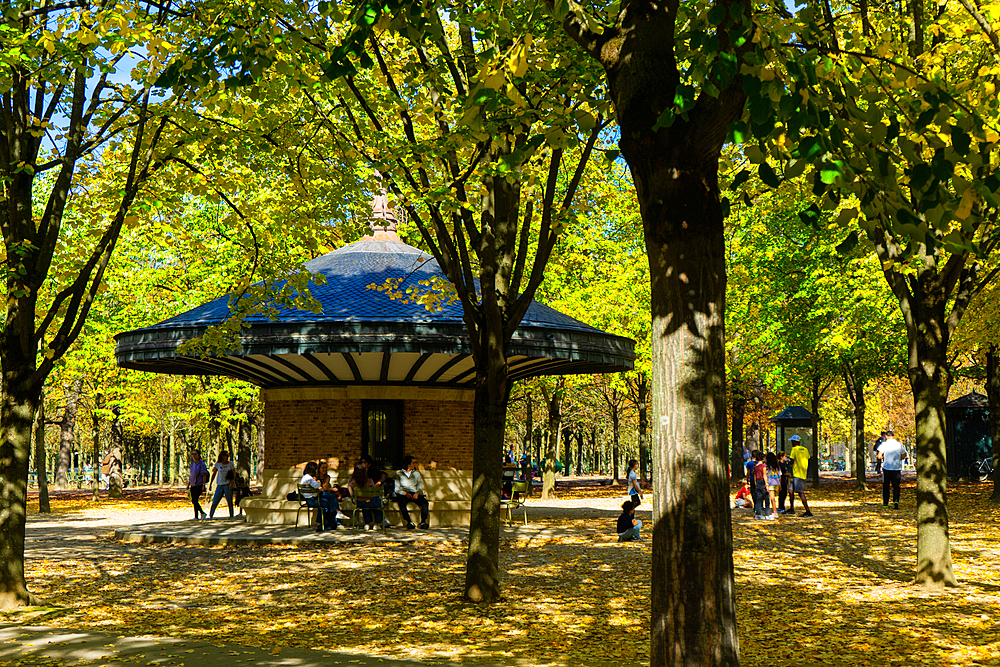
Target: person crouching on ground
[
  {"x": 410, "y": 489},
  {"x": 628, "y": 526},
  {"x": 743, "y": 497}
]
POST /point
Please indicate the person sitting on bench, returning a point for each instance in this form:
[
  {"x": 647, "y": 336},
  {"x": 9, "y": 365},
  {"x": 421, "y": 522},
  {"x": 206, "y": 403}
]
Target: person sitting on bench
[{"x": 410, "y": 489}]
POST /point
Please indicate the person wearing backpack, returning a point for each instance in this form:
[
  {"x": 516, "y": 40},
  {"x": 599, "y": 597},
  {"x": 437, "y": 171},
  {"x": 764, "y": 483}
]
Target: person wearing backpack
[
  {"x": 772, "y": 476},
  {"x": 197, "y": 479},
  {"x": 223, "y": 473}
]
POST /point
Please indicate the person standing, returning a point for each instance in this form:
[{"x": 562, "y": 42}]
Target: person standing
[
  {"x": 634, "y": 492},
  {"x": 800, "y": 470},
  {"x": 892, "y": 454},
  {"x": 875, "y": 450},
  {"x": 223, "y": 473},
  {"x": 762, "y": 504},
  {"x": 410, "y": 489},
  {"x": 197, "y": 479},
  {"x": 786, "y": 481},
  {"x": 773, "y": 478},
  {"x": 628, "y": 526}
]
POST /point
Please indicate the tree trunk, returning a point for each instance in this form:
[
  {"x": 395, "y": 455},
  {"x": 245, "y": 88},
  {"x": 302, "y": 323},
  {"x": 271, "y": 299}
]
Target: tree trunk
[
  {"x": 482, "y": 576},
  {"x": 162, "y": 450},
  {"x": 567, "y": 438},
  {"x": 930, "y": 379},
  {"x": 529, "y": 428},
  {"x": 817, "y": 397},
  {"x": 552, "y": 448},
  {"x": 243, "y": 445},
  {"x": 642, "y": 390},
  {"x": 40, "y": 468},
  {"x": 615, "y": 444},
  {"x": 260, "y": 446},
  {"x": 693, "y": 589},
  {"x": 96, "y": 482},
  {"x": 115, "y": 480},
  {"x": 579, "y": 453},
  {"x": 19, "y": 398},
  {"x": 993, "y": 398},
  {"x": 67, "y": 428},
  {"x": 736, "y": 469},
  {"x": 856, "y": 394},
  {"x": 173, "y": 471}
]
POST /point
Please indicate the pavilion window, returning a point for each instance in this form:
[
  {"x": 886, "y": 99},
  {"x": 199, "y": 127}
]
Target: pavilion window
[{"x": 382, "y": 431}]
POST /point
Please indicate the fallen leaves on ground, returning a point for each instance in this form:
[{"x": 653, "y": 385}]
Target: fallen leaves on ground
[{"x": 833, "y": 589}]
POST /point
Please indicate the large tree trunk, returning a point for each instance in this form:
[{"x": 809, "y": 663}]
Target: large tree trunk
[
  {"x": 993, "y": 398},
  {"x": 67, "y": 428},
  {"x": 40, "y": 468},
  {"x": 693, "y": 588},
  {"x": 19, "y": 398},
  {"x": 930, "y": 380},
  {"x": 482, "y": 577},
  {"x": 736, "y": 469}
]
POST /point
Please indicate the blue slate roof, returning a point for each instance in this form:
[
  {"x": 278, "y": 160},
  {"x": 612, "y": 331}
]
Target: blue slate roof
[
  {"x": 362, "y": 336},
  {"x": 346, "y": 296}
]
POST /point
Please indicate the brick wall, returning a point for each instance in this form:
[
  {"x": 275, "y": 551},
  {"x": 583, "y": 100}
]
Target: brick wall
[
  {"x": 440, "y": 431},
  {"x": 307, "y": 430},
  {"x": 300, "y": 430}
]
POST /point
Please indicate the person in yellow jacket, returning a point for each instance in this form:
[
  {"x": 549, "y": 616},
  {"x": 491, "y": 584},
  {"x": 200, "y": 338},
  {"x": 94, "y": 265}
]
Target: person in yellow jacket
[{"x": 800, "y": 470}]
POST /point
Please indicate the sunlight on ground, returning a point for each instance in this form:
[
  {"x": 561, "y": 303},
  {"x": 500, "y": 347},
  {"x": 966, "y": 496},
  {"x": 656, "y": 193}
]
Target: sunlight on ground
[{"x": 831, "y": 590}]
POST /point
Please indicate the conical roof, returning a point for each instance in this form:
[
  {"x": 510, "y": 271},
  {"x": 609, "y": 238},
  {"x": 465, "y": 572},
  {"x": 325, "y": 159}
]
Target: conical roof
[{"x": 362, "y": 336}]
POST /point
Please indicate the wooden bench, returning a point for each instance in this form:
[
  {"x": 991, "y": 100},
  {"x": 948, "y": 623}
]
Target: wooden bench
[{"x": 448, "y": 494}]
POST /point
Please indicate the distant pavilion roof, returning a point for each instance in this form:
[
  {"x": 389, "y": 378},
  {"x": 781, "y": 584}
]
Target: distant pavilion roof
[
  {"x": 974, "y": 400},
  {"x": 793, "y": 415},
  {"x": 364, "y": 337}
]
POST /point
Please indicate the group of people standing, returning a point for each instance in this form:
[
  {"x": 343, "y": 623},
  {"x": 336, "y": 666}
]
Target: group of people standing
[
  {"x": 782, "y": 474},
  {"x": 229, "y": 484}
]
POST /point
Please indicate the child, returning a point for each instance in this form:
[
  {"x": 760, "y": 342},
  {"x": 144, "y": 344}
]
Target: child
[
  {"x": 761, "y": 497},
  {"x": 628, "y": 526},
  {"x": 773, "y": 479},
  {"x": 743, "y": 497}
]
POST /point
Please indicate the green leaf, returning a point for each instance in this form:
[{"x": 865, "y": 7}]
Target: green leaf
[
  {"x": 848, "y": 244},
  {"x": 739, "y": 179},
  {"x": 768, "y": 176},
  {"x": 717, "y": 14}
]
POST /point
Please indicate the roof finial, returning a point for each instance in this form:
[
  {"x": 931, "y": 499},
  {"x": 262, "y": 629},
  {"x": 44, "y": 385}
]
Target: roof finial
[{"x": 384, "y": 217}]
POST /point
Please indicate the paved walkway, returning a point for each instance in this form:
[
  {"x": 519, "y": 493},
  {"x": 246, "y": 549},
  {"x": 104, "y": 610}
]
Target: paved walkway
[
  {"x": 235, "y": 532},
  {"x": 33, "y": 646}
]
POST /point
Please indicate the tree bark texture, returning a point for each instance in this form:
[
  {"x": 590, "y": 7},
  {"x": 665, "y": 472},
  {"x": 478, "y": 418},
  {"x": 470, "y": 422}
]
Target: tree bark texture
[
  {"x": 993, "y": 399},
  {"x": 40, "y": 467},
  {"x": 675, "y": 171},
  {"x": 856, "y": 394},
  {"x": 67, "y": 429},
  {"x": 19, "y": 399},
  {"x": 552, "y": 446},
  {"x": 482, "y": 576},
  {"x": 736, "y": 470},
  {"x": 816, "y": 400}
]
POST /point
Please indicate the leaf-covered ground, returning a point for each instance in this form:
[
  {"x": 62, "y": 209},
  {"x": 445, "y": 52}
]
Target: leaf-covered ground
[{"x": 832, "y": 590}]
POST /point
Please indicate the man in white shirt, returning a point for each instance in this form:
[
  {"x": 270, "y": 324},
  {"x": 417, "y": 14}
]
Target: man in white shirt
[
  {"x": 410, "y": 489},
  {"x": 892, "y": 454}
]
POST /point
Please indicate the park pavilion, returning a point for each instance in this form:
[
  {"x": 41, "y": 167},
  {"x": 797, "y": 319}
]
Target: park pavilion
[{"x": 368, "y": 374}]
